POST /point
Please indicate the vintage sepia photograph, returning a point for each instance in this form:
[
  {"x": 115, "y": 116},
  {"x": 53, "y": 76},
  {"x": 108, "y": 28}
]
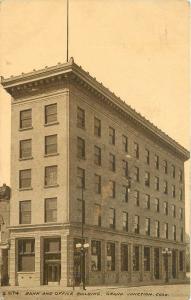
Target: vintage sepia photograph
[{"x": 94, "y": 149}]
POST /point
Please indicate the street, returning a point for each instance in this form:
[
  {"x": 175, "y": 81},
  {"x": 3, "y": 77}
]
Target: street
[{"x": 177, "y": 292}]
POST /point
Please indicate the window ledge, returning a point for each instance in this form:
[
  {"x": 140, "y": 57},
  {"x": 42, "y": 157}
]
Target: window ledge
[
  {"x": 26, "y": 189},
  {"x": 23, "y": 272},
  {"x": 51, "y": 124},
  {"x": 51, "y": 154},
  {"x": 51, "y": 186},
  {"x": 26, "y": 128},
  {"x": 25, "y": 158}
]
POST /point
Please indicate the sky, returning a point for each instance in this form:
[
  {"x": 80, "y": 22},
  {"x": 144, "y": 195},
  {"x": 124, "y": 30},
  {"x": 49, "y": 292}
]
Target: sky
[{"x": 136, "y": 48}]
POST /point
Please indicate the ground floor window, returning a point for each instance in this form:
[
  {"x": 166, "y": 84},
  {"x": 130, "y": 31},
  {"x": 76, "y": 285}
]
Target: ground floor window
[
  {"x": 110, "y": 257},
  {"x": 181, "y": 261},
  {"x": 135, "y": 258},
  {"x": 124, "y": 257},
  {"x": 146, "y": 259},
  {"x": 26, "y": 255},
  {"x": 95, "y": 255}
]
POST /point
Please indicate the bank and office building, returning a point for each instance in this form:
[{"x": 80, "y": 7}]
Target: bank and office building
[{"x": 80, "y": 153}]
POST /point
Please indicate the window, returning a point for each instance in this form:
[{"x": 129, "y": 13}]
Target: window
[
  {"x": 51, "y": 210},
  {"x": 147, "y": 201},
  {"x": 181, "y": 261},
  {"x": 81, "y": 208},
  {"x": 51, "y": 144},
  {"x": 111, "y": 136},
  {"x": 50, "y": 113},
  {"x": 95, "y": 255},
  {"x": 111, "y": 162},
  {"x": 50, "y": 176},
  {"x": 97, "y": 181},
  {"x": 80, "y": 178},
  {"x": 26, "y": 118},
  {"x": 97, "y": 156},
  {"x": 25, "y": 148},
  {"x": 173, "y": 171},
  {"x": 97, "y": 214},
  {"x": 110, "y": 256},
  {"x": 80, "y": 148},
  {"x": 147, "y": 179},
  {"x": 136, "y": 224},
  {"x": 125, "y": 193},
  {"x": 156, "y": 161},
  {"x": 157, "y": 229},
  {"x": 173, "y": 191},
  {"x": 146, "y": 259},
  {"x": 147, "y": 226},
  {"x": 25, "y": 212},
  {"x": 125, "y": 221},
  {"x": 147, "y": 156},
  {"x": 165, "y": 166},
  {"x": 112, "y": 218},
  {"x": 135, "y": 258},
  {"x": 97, "y": 127},
  {"x": 180, "y": 213},
  {"x": 26, "y": 255},
  {"x": 125, "y": 143},
  {"x": 112, "y": 189},
  {"x": 180, "y": 175},
  {"x": 136, "y": 174},
  {"x": 124, "y": 257},
  {"x": 80, "y": 118},
  {"x": 174, "y": 232},
  {"x": 157, "y": 205},
  {"x": 166, "y": 230},
  {"x": 180, "y": 194},
  {"x": 165, "y": 208},
  {"x": 52, "y": 247},
  {"x": 125, "y": 168},
  {"x": 25, "y": 178},
  {"x": 136, "y": 150},
  {"x": 156, "y": 183},
  {"x": 174, "y": 211},
  {"x": 136, "y": 194},
  {"x": 181, "y": 234},
  {"x": 165, "y": 187}
]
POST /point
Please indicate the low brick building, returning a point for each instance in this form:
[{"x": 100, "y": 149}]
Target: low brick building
[{"x": 88, "y": 169}]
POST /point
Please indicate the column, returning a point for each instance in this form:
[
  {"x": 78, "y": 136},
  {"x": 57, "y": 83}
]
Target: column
[
  {"x": 13, "y": 262},
  {"x": 37, "y": 261},
  {"x": 64, "y": 261},
  {"x": 130, "y": 262},
  {"x": 117, "y": 260},
  {"x": 162, "y": 270},
  {"x": 152, "y": 263},
  {"x": 141, "y": 256},
  {"x": 103, "y": 260},
  {"x": 71, "y": 279},
  {"x": 1, "y": 263}
]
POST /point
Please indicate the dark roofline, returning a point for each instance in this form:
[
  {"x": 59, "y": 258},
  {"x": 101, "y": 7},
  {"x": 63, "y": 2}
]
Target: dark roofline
[{"x": 71, "y": 66}]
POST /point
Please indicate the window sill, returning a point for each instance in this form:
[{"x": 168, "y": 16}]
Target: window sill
[
  {"x": 25, "y": 158},
  {"x": 51, "y": 124},
  {"x": 26, "y": 189},
  {"x": 51, "y": 186},
  {"x": 51, "y": 154},
  {"x": 26, "y": 272},
  {"x": 26, "y": 128}
]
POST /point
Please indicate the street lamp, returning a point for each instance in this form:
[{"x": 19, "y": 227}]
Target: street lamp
[{"x": 166, "y": 252}]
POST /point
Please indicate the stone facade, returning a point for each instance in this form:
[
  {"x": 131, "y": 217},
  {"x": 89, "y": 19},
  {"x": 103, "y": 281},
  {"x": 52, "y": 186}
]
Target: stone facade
[{"x": 71, "y": 89}]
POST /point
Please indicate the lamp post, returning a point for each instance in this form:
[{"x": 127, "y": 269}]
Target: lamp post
[{"x": 166, "y": 253}]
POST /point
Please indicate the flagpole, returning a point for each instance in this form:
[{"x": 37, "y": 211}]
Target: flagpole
[{"x": 67, "y": 29}]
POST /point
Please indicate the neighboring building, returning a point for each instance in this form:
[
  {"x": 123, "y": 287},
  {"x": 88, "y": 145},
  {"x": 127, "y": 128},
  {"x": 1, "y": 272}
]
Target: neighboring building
[
  {"x": 4, "y": 233},
  {"x": 69, "y": 131}
]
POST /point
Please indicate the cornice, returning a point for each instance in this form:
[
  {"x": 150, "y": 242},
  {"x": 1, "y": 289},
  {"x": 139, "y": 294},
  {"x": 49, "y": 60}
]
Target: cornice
[{"x": 33, "y": 83}]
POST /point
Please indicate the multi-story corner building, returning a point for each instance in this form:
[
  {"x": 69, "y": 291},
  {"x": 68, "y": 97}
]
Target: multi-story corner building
[
  {"x": 82, "y": 155},
  {"x": 4, "y": 233}
]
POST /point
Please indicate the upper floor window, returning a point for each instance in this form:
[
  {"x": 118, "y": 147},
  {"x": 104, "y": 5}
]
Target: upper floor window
[
  {"x": 97, "y": 214},
  {"x": 174, "y": 211},
  {"x": 181, "y": 234},
  {"x": 51, "y": 210},
  {"x": 173, "y": 191},
  {"x": 166, "y": 230},
  {"x": 111, "y": 136},
  {"x": 147, "y": 201},
  {"x": 81, "y": 148},
  {"x": 97, "y": 127},
  {"x": 165, "y": 208},
  {"x": 25, "y": 212},
  {"x": 25, "y": 178},
  {"x": 110, "y": 259},
  {"x": 125, "y": 143},
  {"x": 147, "y": 156},
  {"x": 112, "y": 218},
  {"x": 147, "y": 179},
  {"x": 97, "y": 156},
  {"x": 136, "y": 224},
  {"x": 156, "y": 161},
  {"x": 136, "y": 193},
  {"x": 180, "y": 176},
  {"x": 157, "y": 229},
  {"x": 136, "y": 150},
  {"x": 97, "y": 182},
  {"x": 156, "y": 183},
  {"x": 111, "y": 162},
  {"x": 51, "y": 144},
  {"x": 173, "y": 171},
  {"x": 180, "y": 194},
  {"x": 136, "y": 174},
  {"x": 124, "y": 257},
  {"x": 180, "y": 213},
  {"x": 147, "y": 259},
  {"x": 80, "y": 178},
  {"x": 112, "y": 189},
  {"x": 174, "y": 232},
  {"x": 50, "y": 175},
  {"x": 26, "y": 148},
  {"x": 125, "y": 193},
  {"x": 157, "y": 207},
  {"x": 80, "y": 117},
  {"x": 125, "y": 168},
  {"x": 147, "y": 226},
  {"x": 181, "y": 260},
  {"x": 50, "y": 113},
  {"x": 26, "y": 118},
  {"x": 165, "y": 187},
  {"x": 125, "y": 221},
  {"x": 165, "y": 166},
  {"x": 95, "y": 255}
]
